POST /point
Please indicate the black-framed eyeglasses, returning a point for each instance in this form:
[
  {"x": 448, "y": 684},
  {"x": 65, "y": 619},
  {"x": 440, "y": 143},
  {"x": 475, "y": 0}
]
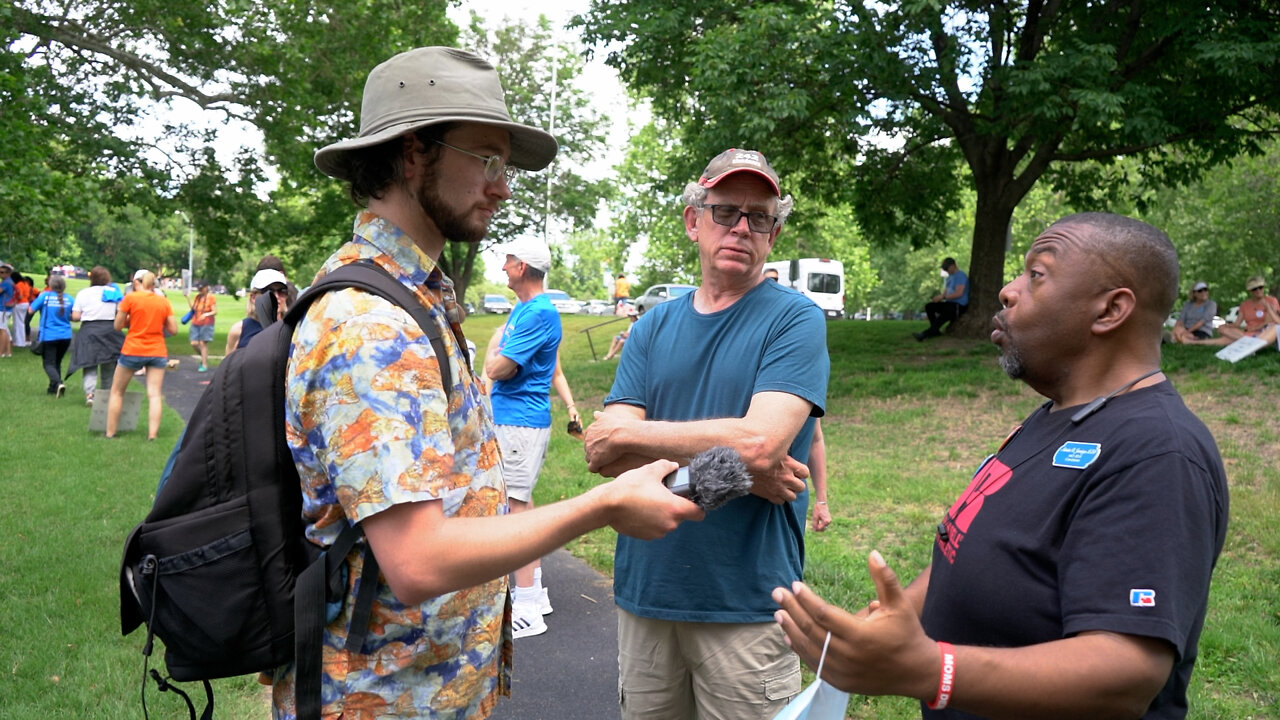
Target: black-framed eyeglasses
[
  {"x": 1260, "y": 287},
  {"x": 494, "y": 165},
  {"x": 727, "y": 215}
]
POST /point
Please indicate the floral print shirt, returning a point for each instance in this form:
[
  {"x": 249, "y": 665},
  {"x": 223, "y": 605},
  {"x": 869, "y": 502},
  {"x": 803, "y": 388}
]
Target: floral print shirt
[{"x": 371, "y": 427}]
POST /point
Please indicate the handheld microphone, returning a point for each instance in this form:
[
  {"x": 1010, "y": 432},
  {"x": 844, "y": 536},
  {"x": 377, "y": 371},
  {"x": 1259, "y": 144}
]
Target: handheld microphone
[{"x": 713, "y": 478}]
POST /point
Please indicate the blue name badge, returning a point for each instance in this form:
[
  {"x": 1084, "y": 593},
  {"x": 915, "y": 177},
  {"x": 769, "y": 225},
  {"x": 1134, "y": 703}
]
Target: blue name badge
[{"x": 1078, "y": 455}]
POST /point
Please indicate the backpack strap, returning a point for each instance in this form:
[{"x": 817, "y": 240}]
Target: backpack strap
[{"x": 310, "y": 592}]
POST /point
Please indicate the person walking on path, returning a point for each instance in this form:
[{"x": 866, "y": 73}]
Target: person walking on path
[
  {"x": 378, "y": 440},
  {"x": 621, "y": 289},
  {"x": 265, "y": 282},
  {"x": 739, "y": 362},
  {"x": 948, "y": 305},
  {"x": 54, "y": 308},
  {"x": 96, "y": 348},
  {"x": 1071, "y": 579},
  {"x": 204, "y": 307},
  {"x": 523, "y": 361},
  {"x": 24, "y": 292},
  {"x": 149, "y": 319},
  {"x": 7, "y": 301}
]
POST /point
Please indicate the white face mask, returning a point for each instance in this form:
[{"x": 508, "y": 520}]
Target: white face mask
[{"x": 819, "y": 701}]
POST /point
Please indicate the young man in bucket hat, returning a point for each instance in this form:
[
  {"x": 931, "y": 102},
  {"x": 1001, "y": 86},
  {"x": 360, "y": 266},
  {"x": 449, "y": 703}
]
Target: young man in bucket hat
[
  {"x": 378, "y": 441},
  {"x": 739, "y": 362}
]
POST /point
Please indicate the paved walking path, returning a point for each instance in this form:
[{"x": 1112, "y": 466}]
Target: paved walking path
[{"x": 569, "y": 672}]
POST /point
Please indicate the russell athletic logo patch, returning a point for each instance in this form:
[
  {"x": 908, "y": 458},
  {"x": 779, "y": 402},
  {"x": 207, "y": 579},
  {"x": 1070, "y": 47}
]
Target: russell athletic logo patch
[
  {"x": 1077, "y": 455},
  {"x": 1142, "y": 597}
]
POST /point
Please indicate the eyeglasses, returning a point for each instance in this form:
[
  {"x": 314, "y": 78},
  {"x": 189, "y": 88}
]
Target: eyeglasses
[
  {"x": 727, "y": 215},
  {"x": 1257, "y": 287},
  {"x": 494, "y": 166}
]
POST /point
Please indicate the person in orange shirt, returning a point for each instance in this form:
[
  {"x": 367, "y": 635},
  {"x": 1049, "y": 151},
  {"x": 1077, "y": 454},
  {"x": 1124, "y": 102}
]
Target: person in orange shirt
[
  {"x": 24, "y": 292},
  {"x": 205, "y": 309},
  {"x": 149, "y": 318}
]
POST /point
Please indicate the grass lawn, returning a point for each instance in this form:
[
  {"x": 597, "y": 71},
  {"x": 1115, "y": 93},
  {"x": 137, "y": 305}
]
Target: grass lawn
[{"x": 906, "y": 424}]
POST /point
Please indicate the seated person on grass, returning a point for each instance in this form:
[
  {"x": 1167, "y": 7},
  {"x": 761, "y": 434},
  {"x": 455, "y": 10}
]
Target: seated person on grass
[
  {"x": 1259, "y": 317},
  {"x": 1195, "y": 322}
]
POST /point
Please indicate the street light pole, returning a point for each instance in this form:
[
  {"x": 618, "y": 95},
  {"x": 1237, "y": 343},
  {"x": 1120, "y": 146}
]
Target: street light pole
[{"x": 191, "y": 249}]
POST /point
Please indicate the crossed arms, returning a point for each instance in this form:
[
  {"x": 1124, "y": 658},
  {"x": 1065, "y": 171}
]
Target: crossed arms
[{"x": 621, "y": 439}]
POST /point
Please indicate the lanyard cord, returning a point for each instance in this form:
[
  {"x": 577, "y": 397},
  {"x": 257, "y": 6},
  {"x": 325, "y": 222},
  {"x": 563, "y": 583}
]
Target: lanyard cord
[{"x": 1099, "y": 402}]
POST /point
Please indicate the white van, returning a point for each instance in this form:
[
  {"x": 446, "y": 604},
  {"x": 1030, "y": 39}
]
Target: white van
[{"x": 819, "y": 279}]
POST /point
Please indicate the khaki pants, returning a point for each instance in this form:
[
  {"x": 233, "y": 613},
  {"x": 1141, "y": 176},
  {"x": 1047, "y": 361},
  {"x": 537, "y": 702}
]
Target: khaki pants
[{"x": 711, "y": 671}]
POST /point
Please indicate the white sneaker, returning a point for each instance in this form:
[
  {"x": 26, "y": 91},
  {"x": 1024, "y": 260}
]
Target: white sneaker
[
  {"x": 544, "y": 603},
  {"x": 527, "y": 622}
]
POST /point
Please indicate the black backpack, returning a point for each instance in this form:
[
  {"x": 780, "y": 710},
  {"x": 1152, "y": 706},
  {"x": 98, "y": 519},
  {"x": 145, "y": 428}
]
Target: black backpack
[{"x": 212, "y": 570}]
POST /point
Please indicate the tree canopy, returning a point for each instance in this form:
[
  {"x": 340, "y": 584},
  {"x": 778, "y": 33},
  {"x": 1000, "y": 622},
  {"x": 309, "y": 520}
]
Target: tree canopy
[
  {"x": 85, "y": 83},
  {"x": 895, "y": 108},
  {"x": 89, "y": 77}
]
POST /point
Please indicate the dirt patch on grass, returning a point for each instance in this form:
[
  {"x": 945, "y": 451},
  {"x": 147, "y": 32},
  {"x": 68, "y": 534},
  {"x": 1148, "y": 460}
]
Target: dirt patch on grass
[
  {"x": 959, "y": 432},
  {"x": 1245, "y": 427}
]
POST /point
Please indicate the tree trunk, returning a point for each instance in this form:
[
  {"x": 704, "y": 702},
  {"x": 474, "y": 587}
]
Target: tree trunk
[
  {"x": 986, "y": 263},
  {"x": 458, "y": 261}
]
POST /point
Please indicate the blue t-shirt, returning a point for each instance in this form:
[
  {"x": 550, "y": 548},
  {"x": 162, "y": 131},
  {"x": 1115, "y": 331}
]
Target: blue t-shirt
[
  {"x": 530, "y": 340},
  {"x": 955, "y": 280},
  {"x": 55, "y": 315},
  {"x": 6, "y": 293},
  {"x": 683, "y": 365}
]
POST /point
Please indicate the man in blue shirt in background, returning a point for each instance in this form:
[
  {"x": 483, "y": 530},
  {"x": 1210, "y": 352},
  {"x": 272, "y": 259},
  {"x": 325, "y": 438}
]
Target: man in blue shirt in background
[
  {"x": 523, "y": 361},
  {"x": 951, "y": 304}
]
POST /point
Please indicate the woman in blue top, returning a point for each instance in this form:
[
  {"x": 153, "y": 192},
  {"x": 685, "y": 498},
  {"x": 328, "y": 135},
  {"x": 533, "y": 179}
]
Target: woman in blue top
[{"x": 55, "y": 330}]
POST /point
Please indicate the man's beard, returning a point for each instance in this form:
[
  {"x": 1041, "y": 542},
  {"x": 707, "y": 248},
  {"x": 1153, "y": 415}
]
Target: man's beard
[
  {"x": 1011, "y": 359},
  {"x": 452, "y": 224}
]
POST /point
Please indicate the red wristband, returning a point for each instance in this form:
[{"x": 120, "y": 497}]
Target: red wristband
[{"x": 946, "y": 679}]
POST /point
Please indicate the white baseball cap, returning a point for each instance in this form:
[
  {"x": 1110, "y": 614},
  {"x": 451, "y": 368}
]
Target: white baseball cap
[
  {"x": 265, "y": 278},
  {"x": 531, "y": 251}
]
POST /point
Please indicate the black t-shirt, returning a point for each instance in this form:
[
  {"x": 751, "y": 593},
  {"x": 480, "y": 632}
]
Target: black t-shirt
[{"x": 1111, "y": 524}]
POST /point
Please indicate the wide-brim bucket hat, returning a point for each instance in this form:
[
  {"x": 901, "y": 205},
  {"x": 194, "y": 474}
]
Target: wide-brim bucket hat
[{"x": 429, "y": 86}]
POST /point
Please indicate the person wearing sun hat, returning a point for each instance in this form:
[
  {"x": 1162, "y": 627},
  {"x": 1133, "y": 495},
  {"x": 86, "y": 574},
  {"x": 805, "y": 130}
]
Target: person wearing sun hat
[
  {"x": 376, "y": 438},
  {"x": 1259, "y": 316}
]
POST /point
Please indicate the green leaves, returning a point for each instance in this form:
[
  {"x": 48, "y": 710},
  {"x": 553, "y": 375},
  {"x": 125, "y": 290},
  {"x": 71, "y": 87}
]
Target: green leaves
[{"x": 1017, "y": 90}]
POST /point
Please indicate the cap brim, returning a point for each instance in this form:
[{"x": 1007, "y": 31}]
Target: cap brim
[
  {"x": 531, "y": 148},
  {"x": 716, "y": 180}
]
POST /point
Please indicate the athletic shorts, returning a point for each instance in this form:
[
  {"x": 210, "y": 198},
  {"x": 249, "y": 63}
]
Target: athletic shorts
[
  {"x": 202, "y": 333},
  {"x": 523, "y": 450},
  {"x": 137, "y": 362}
]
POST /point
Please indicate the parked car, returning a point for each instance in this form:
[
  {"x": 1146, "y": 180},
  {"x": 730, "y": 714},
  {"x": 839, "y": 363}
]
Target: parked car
[
  {"x": 495, "y": 304},
  {"x": 598, "y": 307},
  {"x": 658, "y": 294},
  {"x": 564, "y": 304}
]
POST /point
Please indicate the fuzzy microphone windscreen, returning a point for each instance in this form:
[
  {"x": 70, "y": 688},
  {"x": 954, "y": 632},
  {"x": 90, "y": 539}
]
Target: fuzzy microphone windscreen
[{"x": 717, "y": 476}]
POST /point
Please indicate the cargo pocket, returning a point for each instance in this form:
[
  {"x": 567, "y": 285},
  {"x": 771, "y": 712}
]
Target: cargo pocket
[{"x": 784, "y": 686}]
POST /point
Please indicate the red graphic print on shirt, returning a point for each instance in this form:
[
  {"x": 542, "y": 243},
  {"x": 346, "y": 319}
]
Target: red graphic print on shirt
[{"x": 988, "y": 481}]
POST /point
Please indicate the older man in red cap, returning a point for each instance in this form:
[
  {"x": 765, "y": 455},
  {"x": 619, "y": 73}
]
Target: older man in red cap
[
  {"x": 738, "y": 362},
  {"x": 380, "y": 442}
]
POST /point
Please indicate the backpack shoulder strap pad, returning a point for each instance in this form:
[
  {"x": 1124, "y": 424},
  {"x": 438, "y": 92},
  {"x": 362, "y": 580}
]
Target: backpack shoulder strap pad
[{"x": 371, "y": 278}]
